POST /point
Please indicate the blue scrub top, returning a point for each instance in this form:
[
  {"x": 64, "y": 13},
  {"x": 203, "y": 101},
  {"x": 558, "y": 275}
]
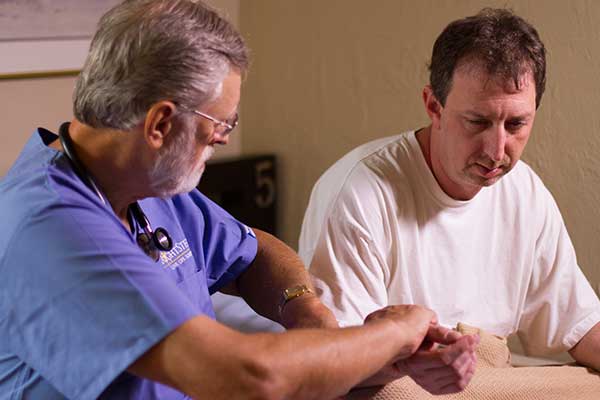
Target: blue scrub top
[{"x": 79, "y": 300}]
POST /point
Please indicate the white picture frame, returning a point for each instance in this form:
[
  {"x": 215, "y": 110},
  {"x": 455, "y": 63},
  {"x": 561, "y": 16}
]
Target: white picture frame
[
  {"x": 47, "y": 37},
  {"x": 51, "y": 57}
]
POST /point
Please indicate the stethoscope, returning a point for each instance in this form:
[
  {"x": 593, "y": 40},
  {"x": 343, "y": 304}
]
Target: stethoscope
[{"x": 151, "y": 242}]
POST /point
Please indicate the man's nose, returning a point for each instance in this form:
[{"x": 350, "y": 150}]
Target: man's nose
[
  {"x": 222, "y": 138},
  {"x": 494, "y": 143}
]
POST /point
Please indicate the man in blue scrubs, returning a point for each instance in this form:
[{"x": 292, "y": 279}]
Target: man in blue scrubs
[{"x": 108, "y": 255}]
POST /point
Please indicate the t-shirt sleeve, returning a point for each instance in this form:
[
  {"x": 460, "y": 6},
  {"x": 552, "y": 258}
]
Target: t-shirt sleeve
[
  {"x": 349, "y": 267},
  {"x": 229, "y": 246},
  {"x": 560, "y": 306},
  {"x": 85, "y": 301}
]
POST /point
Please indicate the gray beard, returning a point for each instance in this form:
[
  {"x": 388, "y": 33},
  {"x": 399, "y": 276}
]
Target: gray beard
[
  {"x": 172, "y": 173},
  {"x": 174, "y": 180}
]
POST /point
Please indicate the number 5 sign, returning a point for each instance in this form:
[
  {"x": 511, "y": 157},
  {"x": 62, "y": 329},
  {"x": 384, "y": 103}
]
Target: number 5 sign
[{"x": 264, "y": 175}]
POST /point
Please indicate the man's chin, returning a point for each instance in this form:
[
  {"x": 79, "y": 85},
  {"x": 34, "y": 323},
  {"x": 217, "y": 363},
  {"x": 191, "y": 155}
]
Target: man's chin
[
  {"x": 183, "y": 187},
  {"x": 490, "y": 182}
]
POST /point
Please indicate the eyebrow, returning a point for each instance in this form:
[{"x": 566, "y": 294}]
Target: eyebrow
[
  {"x": 476, "y": 115},
  {"x": 233, "y": 114}
]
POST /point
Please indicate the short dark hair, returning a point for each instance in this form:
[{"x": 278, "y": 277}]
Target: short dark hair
[{"x": 497, "y": 40}]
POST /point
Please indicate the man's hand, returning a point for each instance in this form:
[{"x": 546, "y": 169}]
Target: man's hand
[
  {"x": 413, "y": 324},
  {"x": 442, "y": 370},
  {"x": 438, "y": 369}
]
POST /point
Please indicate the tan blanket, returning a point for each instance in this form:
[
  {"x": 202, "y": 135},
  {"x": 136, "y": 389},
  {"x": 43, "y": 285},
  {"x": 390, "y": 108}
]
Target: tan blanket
[{"x": 496, "y": 379}]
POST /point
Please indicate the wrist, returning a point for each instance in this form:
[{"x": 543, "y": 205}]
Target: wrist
[
  {"x": 290, "y": 294},
  {"x": 307, "y": 311}
]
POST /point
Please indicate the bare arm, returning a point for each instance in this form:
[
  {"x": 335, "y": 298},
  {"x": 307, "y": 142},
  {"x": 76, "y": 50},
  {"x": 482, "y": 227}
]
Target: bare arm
[
  {"x": 203, "y": 358},
  {"x": 276, "y": 268},
  {"x": 587, "y": 351}
]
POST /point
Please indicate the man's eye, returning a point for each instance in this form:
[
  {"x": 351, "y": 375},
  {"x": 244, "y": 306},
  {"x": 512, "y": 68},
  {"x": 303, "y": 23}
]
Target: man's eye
[
  {"x": 514, "y": 125},
  {"x": 478, "y": 122}
]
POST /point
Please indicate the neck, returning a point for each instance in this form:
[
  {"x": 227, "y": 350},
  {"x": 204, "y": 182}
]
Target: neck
[
  {"x": 424, "y": 139},
  {"x": 106, "y": 157},
  {"x": 431, "y": 152}
]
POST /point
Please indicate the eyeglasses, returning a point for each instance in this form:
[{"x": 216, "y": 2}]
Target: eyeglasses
[{"x": 221, "y": 127}]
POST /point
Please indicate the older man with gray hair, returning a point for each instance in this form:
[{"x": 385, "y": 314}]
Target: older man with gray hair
[{"x": 109, "y": 255}]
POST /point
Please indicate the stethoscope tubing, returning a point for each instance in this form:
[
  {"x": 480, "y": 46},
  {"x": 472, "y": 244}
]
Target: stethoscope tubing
[{"x": 159, "y": 237}]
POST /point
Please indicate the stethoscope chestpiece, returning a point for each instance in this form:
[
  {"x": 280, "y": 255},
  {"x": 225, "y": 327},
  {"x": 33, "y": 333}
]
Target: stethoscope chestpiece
[
  {"x": 162, "y": 240},
  {"x": 152, "y": 242}
]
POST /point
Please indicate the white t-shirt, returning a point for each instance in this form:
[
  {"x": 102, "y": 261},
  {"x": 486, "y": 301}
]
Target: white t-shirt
[{"x": 379, "y": 230}]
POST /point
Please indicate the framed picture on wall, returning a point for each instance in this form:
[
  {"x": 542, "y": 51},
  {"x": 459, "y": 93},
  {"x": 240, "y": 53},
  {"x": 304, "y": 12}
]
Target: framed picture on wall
[{"x": 47, "y": 37}]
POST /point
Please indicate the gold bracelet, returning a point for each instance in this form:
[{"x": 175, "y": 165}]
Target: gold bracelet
[{"x": 292, "y": 293}]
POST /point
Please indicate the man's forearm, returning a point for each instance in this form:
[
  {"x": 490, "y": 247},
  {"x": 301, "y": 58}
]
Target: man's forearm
[
  {"x": 587, "y": 351},
  {"x": 276, "y": 268},
  {"x": 205, "y": 359}
]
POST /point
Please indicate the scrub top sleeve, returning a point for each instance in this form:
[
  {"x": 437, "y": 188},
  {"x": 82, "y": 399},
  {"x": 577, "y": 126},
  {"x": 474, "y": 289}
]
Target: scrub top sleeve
[
  {"x": 229, "y": 246},
  {"x": 85, "y": 301}
]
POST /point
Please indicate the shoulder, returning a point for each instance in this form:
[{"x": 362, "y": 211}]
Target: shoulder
[
  {"x": 366, "y": 175},
  {"x": 358, "y": 170},
  {"x": 523, "y": 195},
  {"x": 524, "y": 183},
  {"x": 377, "y": 152},
  {"x": 226, "y": 245},
  {"x": 50, "y": 217},
  {"x": 524, "y": 174},
  {"x": 195, "y": 209},
  {"x": 43, "y": 196}
]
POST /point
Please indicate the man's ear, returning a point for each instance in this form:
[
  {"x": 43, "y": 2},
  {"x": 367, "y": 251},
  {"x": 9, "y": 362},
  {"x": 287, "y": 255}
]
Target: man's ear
[
  {"x": 432, "y": 106},
  {"x": 159, "y": 123}
]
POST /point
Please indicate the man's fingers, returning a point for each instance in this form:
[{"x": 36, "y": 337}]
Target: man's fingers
[
  {"x": 467, "y": 343},
  {"x": 445, "y": 370},
  {"x": 424, "y": 360},
  {"x": 442, "y": 335},
  {"x": 427, "y": 363},
  {"x": 457, "y": 386},
  {"x": 464, "y": 364},
  {"x": 454, "y": 360},
  {"x": 440, "y": 358},
  {"x": 434, "y": 319},
  {"x": 461, "y": 367},
  {"x": 444, "y": 384},
  {"x": 447, "y": 380}
]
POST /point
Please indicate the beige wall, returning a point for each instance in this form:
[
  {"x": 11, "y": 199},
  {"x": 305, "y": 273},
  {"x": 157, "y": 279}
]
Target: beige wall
[
  {"x": 330, "y": 75},
  {"x": 28, "y": 103}
]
